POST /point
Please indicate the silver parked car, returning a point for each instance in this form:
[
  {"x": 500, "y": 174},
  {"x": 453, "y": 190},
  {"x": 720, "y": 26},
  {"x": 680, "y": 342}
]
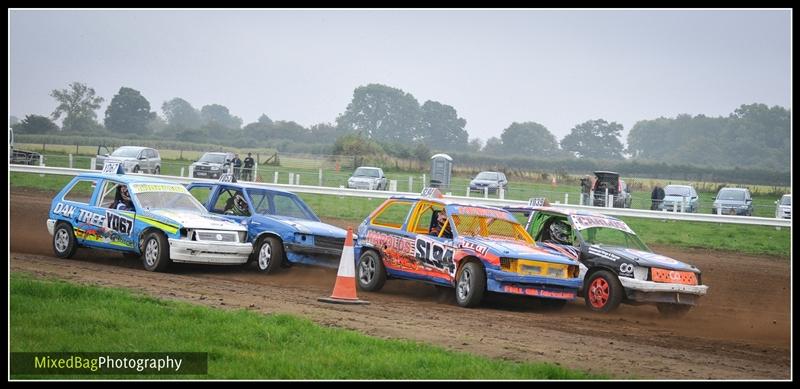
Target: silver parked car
[
  {"x": 366, "y": 177},
  {"x": 491, "y": 180},
  {"x": 783, "y": 207},
  {"x": 134, "y": 159},
  {"x": 680, "y": 198},
  {"x": 733, "y": 201}
]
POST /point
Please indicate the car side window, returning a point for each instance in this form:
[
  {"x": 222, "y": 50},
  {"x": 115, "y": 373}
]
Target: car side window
[
  {"x": 201, "y": 193},
  {"x": 393, "y": 215},
  {"x": 231, "y": 202},
  {"x": 425, "y": 216},
  {"x": 81, "y": 191},
  {"x": 107, "y": 196}
]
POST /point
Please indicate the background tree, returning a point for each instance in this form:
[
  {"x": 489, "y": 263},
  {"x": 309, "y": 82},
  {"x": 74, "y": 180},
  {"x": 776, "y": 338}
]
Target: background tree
[
  {"x": 529, "y": 139},
  {"x": 220, "y": 115},
  {"x": 475, "y": 145},
  {"x": 128, "y": 112},
  {"x": 78, "y": 104},
  {"x": 35, "y": 124},
  {"x": 595, "y": 139},
  {"x": 494, "y": 146},
  {"x": 181, "y": 115},
  {"x": 441, "y": 128},
  {"x": 12, "y": 120},
  {"x": 356, "y": 145},
  {"x": 381, "y": 113},
  {"x": 753, "y": 136},
  {"x": 264, "y": 119}
]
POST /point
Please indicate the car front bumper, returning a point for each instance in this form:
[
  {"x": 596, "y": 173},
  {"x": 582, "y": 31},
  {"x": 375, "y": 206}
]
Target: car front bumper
[
  {"x": 536, "y": 286},
  {"x": 658, "y": 292},
  {"x": 207, "y": 174},
  {"x": 182, "y": 250},
  {"x": 51, "y": 226}
]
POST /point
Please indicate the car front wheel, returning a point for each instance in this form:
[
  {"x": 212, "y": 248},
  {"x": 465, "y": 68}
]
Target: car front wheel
[
  {"x": 603, "y": 292},
  {"x": 269, "y": 254},
  {"x": 156, "y": 252}
]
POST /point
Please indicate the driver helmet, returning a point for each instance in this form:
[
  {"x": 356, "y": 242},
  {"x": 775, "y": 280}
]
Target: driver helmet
[
  {"x": 240, "y": 203},
  {"x": 560, "y": 232}
]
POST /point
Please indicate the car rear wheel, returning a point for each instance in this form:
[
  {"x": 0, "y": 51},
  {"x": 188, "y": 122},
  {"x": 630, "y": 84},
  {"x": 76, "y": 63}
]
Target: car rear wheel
[
  {"x": 603, "y": 292},
  {"x": 156, "y": 252},
  {"x": 371, "y": 273},
  {"x": 157, "y": 171},
  {"x": 136, "y": 169},
  {"x": 269, "y": 254},
  {"x": 64, "y": 244},
  {"x": 673, "y": 310},
  {"x": 470, "y": 285}
]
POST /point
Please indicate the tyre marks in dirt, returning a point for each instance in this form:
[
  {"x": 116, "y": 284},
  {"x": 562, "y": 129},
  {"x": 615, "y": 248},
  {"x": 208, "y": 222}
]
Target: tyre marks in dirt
[{"x": 612, "y": 345}]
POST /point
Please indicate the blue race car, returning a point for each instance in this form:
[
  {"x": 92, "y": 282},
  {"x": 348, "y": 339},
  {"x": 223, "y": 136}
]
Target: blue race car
[
  {"x": 282, "y": 228},
  {"x": 142, "y": 216}
]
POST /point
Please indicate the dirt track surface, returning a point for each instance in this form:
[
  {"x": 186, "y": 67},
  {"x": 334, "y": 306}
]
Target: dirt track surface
[{"x": 740, "y": 330}]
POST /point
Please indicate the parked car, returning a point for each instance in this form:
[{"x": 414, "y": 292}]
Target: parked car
[
  {"x": 680, "y": 198},
  {"x": 491, "y": 180},
  {"x": 783, "y": 207},
  {"x": 283, "y": 229},
  {"x": 733, "y": 201},
  {"x": 366, "y": 177},
  {"x": 615, "y": 265},
  {"x": 472, "y": 248},
  {"x": 138, "y": 216},
  {"x": 133, "y": 159},
  {"x": 616, "y": 187},
  {"x": 212, "y": 165}
]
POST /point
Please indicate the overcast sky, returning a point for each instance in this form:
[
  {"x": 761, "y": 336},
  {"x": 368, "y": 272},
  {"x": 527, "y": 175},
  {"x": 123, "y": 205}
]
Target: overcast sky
[{"x": 555, "y": 67}]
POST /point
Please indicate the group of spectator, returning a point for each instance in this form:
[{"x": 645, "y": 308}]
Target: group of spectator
[{"x": 249, "y": 163}]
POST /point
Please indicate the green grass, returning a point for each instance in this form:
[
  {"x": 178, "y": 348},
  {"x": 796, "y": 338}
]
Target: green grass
[
  {"x": 51, "y": 316},
  {"x": 737, "y": 238}
]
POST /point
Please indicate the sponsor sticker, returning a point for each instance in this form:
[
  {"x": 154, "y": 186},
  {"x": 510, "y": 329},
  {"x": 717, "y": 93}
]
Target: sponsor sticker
[
  {"x": 583, "y": 222},
  {"x": 140, "y": 188},
  {"x": 435, "y": 254}
]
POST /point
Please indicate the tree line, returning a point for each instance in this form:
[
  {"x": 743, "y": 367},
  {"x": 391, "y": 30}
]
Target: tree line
[{"x": 382, "y": 119}]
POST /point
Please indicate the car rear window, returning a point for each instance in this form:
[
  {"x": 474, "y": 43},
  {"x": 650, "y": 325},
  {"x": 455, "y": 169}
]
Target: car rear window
[{"x": 81, "y": 192}]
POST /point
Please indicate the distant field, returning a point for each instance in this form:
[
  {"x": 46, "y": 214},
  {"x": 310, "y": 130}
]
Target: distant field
[
  {"x": 738, "y": 238},
  {"x": 65, "y": 317},
  {"x": 308, "y": 170}
]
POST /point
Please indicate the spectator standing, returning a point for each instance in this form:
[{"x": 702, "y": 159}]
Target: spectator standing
[
  {"x": 249, "y": 163},
  {"x": 237, "y": 166}
]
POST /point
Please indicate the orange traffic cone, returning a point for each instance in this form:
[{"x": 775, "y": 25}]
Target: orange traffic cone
[{"x": 344, "y": 292}]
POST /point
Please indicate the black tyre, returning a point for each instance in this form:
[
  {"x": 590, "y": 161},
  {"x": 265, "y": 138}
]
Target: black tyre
[
  {"x": 268, "y": 254},
  {"x": 603, "y": 292},
  {"x": 64, "y": 244},
  {"x": 157, "y": 171},
  {"x": 136, "y": 169},
  {"x": 156, "y": 252},
  {"x": 673, "y": 310},
  {"x": 470, "y": 284},
  {"x": 371, "y": 273}
]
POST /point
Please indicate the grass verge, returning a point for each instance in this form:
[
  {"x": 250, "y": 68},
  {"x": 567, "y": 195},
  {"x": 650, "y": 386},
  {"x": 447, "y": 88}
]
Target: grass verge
[{"x": 57, "y": 316}]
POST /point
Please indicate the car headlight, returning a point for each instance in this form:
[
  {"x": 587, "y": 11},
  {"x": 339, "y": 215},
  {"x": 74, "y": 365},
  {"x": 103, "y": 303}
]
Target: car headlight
[
  {"x": 743, "y": 207},
  {"x": 640, "y": 273},
  {"x": 215, "y": 168}
]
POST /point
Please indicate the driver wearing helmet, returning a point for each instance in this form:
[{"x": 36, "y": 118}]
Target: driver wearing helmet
[
  {"x": 560, "y": 233},
  {"x": 122, "y": 200}
]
